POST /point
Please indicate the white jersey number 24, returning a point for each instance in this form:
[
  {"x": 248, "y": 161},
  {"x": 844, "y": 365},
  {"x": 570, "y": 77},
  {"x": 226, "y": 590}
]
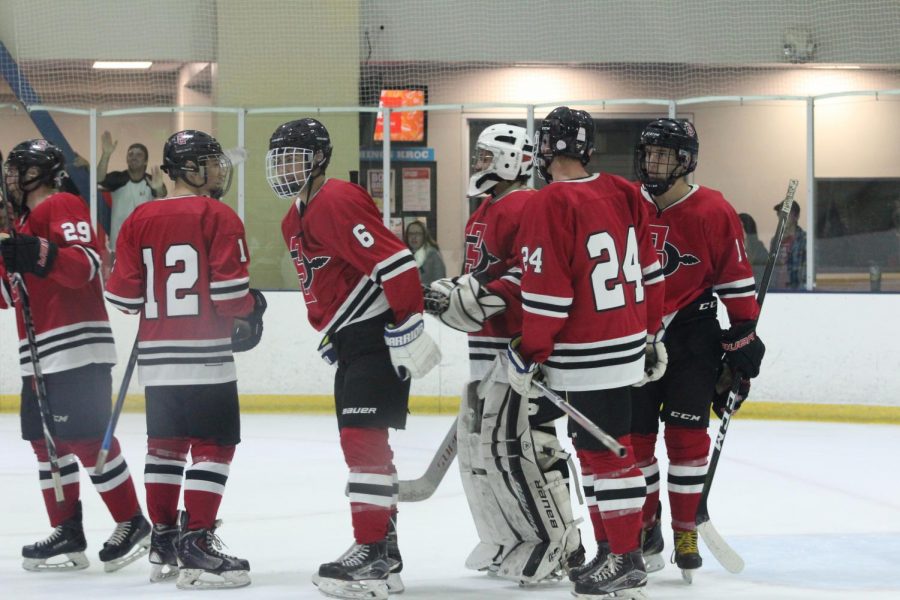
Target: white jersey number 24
[{"x": 601, "y": 246}]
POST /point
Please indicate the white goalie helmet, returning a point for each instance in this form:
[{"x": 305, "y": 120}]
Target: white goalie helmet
[{"x": 502, "y": 153}]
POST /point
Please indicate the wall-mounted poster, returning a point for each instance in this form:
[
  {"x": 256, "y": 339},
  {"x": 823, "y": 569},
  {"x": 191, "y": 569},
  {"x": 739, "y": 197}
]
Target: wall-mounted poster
[
  {"x": 416, "y": 189},
  {"x": 375, "y": 187}
]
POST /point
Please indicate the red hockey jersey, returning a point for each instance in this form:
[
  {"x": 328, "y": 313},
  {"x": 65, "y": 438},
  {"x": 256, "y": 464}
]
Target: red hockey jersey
[
  {"x": 592, "y": 285},
  {"x": 492, "y": 255},
  {"x": 70, "y": 320},
  {"x": 700, "y": 244},
  {"x": 350, "y": 266},
  {"x": 184, "y": 261}
]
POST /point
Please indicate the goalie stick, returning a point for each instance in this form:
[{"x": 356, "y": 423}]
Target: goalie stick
[
  {"x": 726, "y": 556},
  {"x": 416, "y": 490}
]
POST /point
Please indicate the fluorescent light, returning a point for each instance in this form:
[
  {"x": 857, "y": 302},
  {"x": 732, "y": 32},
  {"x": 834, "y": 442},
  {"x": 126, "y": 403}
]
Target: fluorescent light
[
  {"x": 834, "y": 67},
  {"x": 122, "y": 64}
]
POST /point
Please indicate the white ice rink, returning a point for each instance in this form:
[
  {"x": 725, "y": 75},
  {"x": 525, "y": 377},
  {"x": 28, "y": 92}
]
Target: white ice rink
[{"x": 813, "y": 508}]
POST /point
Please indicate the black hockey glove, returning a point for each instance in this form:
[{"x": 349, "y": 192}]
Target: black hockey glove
[
  {"x": 723, "y": 387},
  {"x": 28, "y": 254},
  {"x": 248, "y": 331},
  {"x": 743, "y": 349}
]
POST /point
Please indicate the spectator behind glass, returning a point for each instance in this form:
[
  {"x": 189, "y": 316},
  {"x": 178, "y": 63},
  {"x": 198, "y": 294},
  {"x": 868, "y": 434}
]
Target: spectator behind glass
[
  {"x": 790, "y": 268},
  {"x": 754, "y": 248},
  {"x": 129, "y": 188},
  {"x": 426, "y": 252}
]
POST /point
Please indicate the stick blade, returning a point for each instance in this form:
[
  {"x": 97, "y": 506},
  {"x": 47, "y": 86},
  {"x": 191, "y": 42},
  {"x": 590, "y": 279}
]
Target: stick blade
[{"x": 720, "y": 549}]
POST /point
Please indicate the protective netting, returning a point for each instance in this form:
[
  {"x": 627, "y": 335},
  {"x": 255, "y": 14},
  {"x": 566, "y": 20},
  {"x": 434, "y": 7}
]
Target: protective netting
[{"x": 343, "y": 53}]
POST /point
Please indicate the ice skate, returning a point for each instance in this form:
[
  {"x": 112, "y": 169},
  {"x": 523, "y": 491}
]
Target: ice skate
[
  {"x": 66, "y": 540},
  {"x": 395, "y": 561},
  {"x": 686, "y": 554},
  {"x": 576, "y": 573},
  {"x": 163, "y": 553},
  {"x": 128, "y": 542},
  {"x": 361, "y": 573},
  {"x": 652, "y": 546},
  {"x": 203, "y": 565},
  {"x": 621, "y": 576}
]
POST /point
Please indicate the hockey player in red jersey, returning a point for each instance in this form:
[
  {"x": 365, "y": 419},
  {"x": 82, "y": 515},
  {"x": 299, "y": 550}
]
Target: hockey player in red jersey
[
  {"x": 529, "y": 535},
  {"x": 55, "y": 250},
  {"x": 699, "y": 240},
  {"x": 182, "y": 262},
  {"x": 592, "y": 289},
  {"x": 362, "y": 291}
]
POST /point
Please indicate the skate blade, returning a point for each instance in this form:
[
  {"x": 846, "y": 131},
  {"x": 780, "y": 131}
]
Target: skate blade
[
  {"x": 654, "y": 562},
  {"x": 160, "y": 573},
  {"x": 632, "y": 594},
  {"x": 76, "y": 561},
  {"x": 688, "y": 575},
  {"x": 364, "y": 589},
  {"x": 142, "y": 548},
  {"x": 394, "y": 583},
  {"x": 198, "y": 579}
]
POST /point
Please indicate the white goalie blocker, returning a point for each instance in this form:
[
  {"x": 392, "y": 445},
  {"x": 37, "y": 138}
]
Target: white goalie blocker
[
  {"x": 467, "y": 304},
  {"x": 522, "y": 508}
]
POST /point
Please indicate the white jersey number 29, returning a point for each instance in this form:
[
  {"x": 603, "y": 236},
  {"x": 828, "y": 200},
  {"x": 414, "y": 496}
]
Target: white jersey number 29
[
  {"x": 601, "y": 246},
  {"x": 178, "y": 303}
]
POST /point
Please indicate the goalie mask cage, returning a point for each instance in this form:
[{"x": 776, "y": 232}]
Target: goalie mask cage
[{"x": 777, "y": 89}]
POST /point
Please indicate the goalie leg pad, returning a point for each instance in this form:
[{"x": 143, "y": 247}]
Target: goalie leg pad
[
  {"x": 493, "y": 530},
  {"x": 534, "y": 503}
]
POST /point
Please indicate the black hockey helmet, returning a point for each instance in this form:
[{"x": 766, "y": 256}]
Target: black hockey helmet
[
  {"x": 564, "y": 132},
  {"x": 191, "y": 151},
  {"x": 298, "y": 152},
  {"x": 46, "y": 158},
  {"x": 679, "y": 136}
]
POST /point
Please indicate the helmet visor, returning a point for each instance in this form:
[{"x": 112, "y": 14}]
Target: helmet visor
[{"x": 287, "y": 170}]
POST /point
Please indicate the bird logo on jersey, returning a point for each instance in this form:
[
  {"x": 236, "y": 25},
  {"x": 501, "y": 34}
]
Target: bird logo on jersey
[
  {"x": 478, "y": 257},
  {"x": 669, "y": 256},
  {"x": 306, "y": 268}
]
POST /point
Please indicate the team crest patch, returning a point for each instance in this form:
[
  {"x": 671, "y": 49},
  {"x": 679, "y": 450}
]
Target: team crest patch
[
  {"x": 669, "y": 256},
  {"x": 478, "y": 257},
  {"x": 306, "y": 268}
]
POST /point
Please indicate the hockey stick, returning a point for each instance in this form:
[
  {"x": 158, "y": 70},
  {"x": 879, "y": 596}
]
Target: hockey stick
[
  {"x": 416, "y": 490},
  {"x": 577, "y": 416},
  {"x": 17, "y": 284},
  {"x": 726, "y": 556},
  {"x": 117, "y": 410}
]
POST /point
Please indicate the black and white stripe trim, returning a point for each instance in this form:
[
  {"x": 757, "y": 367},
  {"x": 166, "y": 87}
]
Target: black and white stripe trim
[
  {"x": 163, "y": 470},
  {"x": 69, "y": 337},
  {"x": 174, "y": 352},
  {"x": 620, "y": 494},
  {"x": 372, "y": 488},
  {"x": 365, "y": 301},
  {"x": 653, "y": 273},
  {"x": 684, "y": 479},
  {"x": 68, "y": 472},
  {"x": 115, "y": 473},
  {"x": 619, "y": 351},
  {"x": 131, "y": 306},
  {"x": 651, "y": 476},
  {"x": 229, "y": 289},
  {"x": 548, "y": 306},
  {"x": 393, "y": 266},
  {"x": 93, "y": 259},
  {"x": 206, "y": 476},
  {"x": 514, "y": 276},
  {"x": 742, "y": 288},
  {"x": 487, "y": 348}
]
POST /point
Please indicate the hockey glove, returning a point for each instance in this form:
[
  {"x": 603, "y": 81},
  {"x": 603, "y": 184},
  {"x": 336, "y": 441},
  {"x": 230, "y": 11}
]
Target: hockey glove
[
  {"x": 521, "y": 372},
  {"x": 28, "y": 254},
  {"x": 743, "y": 349},
  {"x": 248, "y": 330},
  {"x": 723, "y": 387},
  {"x": 469, "y": 305},
  {"x": 413, "y": 352},
  {"x": 656, "y": 359},
  {"x": 435, "y": 302},
  {"x": 327, "y": 351}
]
